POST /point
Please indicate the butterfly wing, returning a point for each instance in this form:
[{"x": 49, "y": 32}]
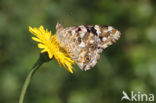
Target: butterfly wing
[{"x": 84, "y": 43}]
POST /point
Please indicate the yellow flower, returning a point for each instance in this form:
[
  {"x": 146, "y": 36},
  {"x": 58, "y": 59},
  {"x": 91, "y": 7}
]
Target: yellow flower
[{"x": 48, "y": 43}]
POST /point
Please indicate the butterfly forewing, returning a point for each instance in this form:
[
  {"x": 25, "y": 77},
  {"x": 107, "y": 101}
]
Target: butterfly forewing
[{"x": 84, "y": 43}]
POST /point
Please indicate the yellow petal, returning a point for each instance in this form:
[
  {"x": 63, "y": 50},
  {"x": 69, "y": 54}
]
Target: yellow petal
[
  {"x": 34, "y": 31},
  {"x": 41, "y": 46},
  {"x": 70, "y": 69},
  {"x": 50, "y": 54},
  {"x": 44, "y": 50},
  {"x": 31, "y": 29},
  {"x": 36, "y": 39},
  {"x": 41, "y": 28}
]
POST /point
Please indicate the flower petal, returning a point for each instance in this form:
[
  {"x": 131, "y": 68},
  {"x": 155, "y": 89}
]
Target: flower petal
[
  {"x": 36, "y": 39},
  {"x": 43, "y": 50},
  {"x": 41, "y": 46}
]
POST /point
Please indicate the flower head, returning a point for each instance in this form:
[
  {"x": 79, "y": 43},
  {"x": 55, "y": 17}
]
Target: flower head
[{"x": 48, "y": 43}]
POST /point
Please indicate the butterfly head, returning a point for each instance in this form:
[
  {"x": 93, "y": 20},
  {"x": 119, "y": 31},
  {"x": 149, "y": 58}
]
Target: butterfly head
[{"x": 59, "y": 27}]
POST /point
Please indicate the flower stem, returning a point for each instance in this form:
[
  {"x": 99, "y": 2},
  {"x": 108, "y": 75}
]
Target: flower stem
[
  {"x": 42, "y": 59},
  {"x": 28, "y": 79}
]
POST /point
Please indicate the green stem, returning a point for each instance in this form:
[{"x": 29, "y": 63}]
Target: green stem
[
  {"x": 28, "y": 78},
  {"x": 42, "y": 59}
]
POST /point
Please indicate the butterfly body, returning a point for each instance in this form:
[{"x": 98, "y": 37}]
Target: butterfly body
[{"x": 84, "y": 43}]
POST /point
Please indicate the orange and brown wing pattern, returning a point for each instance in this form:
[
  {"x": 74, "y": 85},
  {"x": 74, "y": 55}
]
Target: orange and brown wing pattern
[{"x": 84, "y": 43}]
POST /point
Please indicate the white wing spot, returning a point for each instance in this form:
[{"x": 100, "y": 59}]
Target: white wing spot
[
  {"x": 82, "y": 35},
  {"x": 104, "y": 46},
  {"x": 82, "y": 44},
  {"x": 97, "y": 29},
  {"x": 91, "y": 41},
  {"x": 73, "y": 32},
  {"x": 116, "y": 35},
  {"x": 110, "y": 28},
  {"x": 104, "y": 39},
  {"x": 83, "y": 29}
]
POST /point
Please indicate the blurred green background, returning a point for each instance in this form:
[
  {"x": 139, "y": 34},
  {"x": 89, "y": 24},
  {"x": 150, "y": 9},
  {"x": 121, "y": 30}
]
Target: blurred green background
[{"x": 129, "y": 65}]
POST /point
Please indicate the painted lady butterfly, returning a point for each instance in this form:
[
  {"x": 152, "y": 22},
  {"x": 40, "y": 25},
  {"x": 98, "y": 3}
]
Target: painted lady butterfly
[{"x": 84, "y": 43}]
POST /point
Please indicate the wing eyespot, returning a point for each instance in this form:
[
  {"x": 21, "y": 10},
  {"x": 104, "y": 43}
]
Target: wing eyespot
[
  {"x": 93, "y": 46},
  {"x": 87, "y": 58}
]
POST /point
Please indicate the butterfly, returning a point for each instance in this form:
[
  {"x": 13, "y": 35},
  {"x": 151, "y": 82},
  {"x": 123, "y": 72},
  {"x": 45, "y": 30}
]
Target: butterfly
[{"x": 84, "y": 43}]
